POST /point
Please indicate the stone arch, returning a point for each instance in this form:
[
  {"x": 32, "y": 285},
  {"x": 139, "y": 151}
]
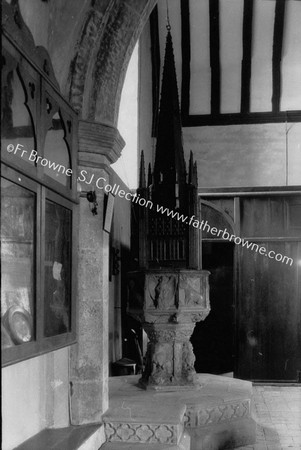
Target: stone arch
[{"x": 98, "y": 68}]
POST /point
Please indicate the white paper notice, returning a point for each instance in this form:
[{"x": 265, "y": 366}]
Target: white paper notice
[{"x": 56, "y": 270}]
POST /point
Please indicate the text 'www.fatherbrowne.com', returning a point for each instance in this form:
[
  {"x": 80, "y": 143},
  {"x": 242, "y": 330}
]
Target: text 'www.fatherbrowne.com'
[
  {"x": 224, "y": 234},
  {"x": 101, "y": 183}
]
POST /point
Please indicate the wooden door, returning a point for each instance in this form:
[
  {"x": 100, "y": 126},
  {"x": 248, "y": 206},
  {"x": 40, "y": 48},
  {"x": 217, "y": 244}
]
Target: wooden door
[{"x": 268, "y": 315}]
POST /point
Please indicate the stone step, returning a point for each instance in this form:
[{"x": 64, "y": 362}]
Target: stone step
[
  {"x": 144, "y": 433},
  {"x": 83, "y": 437},
  {"x": 217, "y": 413},
  {"x": 139, "y": 416},
  {"x": 184, "y": 444}
]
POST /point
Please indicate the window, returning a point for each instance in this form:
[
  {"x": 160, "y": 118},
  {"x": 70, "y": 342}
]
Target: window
[
  {"x": 57, "y": 269},
  {"x": 38, "y": 201},
  {"x": 18, "y": 248}
]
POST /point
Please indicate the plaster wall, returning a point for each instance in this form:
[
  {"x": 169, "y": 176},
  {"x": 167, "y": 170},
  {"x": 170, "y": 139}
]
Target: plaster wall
[
  {"x": 126, "y": 166},
  {"x": 246, "y": 155},
  {"x": 35, "y": 395}
]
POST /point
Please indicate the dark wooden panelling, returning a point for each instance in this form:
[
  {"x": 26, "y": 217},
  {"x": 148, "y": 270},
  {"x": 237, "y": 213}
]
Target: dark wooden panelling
[
  {"x": 272, "y": 217},
  {"x": 277, "y": 53},
  {"x": 269, "y": 315},
  {"x": 247, "y": 55},
  {"x": 269, "y": 291},
  {"x": 214, "y": 56}
]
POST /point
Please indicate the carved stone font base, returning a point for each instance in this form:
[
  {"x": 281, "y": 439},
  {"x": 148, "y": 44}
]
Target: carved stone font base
[
  {"x": 168, "y": 304},
  {"x": 170, "y": 358},
  {"x": 214, "y": 414}
]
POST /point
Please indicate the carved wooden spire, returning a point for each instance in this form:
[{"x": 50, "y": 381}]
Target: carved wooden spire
[
  {"x": 195, "y": 175},
  {"x": 142, "y": 182},
  {"x": 193, "y": 172},
  {"x": 190, "y": 172},
  {"x": 164, "y": 240},
  {"x": 169, "y": 169},
  {"x": 149, "y": 175}
]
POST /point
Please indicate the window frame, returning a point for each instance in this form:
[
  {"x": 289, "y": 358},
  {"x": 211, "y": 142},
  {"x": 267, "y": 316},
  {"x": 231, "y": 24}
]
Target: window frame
[
  {"x": 42, "y": 344},
  {"x": 44, "y": 187}
]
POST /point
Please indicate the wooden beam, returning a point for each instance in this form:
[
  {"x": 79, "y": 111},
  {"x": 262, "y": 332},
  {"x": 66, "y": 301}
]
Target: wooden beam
[
  {"x": 247, "y": 190},
  {"x": 277, "y": 53},
  {"x": 198, "y": 120},
  {"x": 155, "y": 58},
  {"x": 247, "y": 56},
  {"x": 245, "y": 116},
  {"x": 186, "y": 56},
  {"x": 214, "y": 56}
]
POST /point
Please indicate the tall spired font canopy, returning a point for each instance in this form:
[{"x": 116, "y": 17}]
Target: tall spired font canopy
[{"x": 165, "y": 238}]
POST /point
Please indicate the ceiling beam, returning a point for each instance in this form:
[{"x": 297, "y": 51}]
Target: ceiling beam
[
  {"x": 277, "y": 53},
  {"x": 244, "y": 116},
  {"x": 214, "y": 56},
  {"x": 198, "y": 120},
  {"x": 247, "y": 56}
]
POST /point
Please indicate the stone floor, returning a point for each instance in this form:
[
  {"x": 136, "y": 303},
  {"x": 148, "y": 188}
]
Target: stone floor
[{"x": 278, "y": 410}]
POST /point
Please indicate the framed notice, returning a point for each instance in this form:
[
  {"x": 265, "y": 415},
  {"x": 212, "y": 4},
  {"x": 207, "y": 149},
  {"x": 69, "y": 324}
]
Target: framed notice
[{"x": 109, "y": 209}]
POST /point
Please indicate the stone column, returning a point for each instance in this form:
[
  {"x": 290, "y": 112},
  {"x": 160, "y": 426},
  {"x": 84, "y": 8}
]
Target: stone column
[
  {"x": 99, "y": 146},
  {"x": 170, "y": 358}
]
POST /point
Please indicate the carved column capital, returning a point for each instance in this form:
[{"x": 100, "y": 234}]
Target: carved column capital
[
  {"x": 168, "y": 333},
  {"x": 100, "y": 144}
]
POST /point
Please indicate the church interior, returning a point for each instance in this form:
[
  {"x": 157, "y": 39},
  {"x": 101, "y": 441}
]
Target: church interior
[{"x": 150, "y": 223}]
